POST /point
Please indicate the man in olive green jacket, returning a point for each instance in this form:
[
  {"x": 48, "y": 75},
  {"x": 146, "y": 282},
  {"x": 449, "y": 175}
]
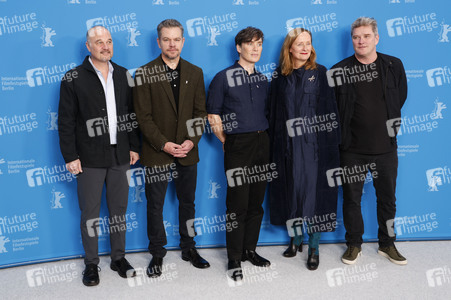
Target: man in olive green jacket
[{"x": 169, "y": 99}]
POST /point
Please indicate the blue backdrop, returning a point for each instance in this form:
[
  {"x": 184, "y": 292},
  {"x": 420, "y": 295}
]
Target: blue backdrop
[{"x": 41, "y": 40}]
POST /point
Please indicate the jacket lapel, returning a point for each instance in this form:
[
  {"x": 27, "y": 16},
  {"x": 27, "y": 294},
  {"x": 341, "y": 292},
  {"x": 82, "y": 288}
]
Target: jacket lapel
[
  {"x": 117, "y": 86},
  {"x": 184, "y": 83}
]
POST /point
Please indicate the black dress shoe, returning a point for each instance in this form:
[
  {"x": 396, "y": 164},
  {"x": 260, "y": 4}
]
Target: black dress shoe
[
  {"x": 234, "y": 270},
  {"x": 313, "y": 260},
  {"x": 196, "y": 260},
  {"x": 91, "y": 275},
  {"x": 255, "y": 259},
  {"x": 292, "y": 249},
  {"x": 123, "y": 268},
  {"x": 155, "y": 267}
]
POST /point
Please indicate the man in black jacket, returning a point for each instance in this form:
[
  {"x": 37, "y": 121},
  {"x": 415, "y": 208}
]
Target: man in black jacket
[
  {"x": 99, "y": 142},
  {"x": 370, "y": 89}
]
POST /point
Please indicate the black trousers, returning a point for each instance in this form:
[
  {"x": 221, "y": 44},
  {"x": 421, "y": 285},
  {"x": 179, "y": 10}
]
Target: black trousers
[
  {"x": 386, "y": 166},
  {"x": 244, "y": 201},
  {"x": 89, "y": 187},
  {"x": 185, "y": 178}
]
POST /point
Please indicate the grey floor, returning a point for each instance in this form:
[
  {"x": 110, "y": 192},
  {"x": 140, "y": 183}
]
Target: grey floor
[{"x": 426, "y": 276}]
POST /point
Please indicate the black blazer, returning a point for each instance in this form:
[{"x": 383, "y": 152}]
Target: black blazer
[{"x": 83, "y": 119}]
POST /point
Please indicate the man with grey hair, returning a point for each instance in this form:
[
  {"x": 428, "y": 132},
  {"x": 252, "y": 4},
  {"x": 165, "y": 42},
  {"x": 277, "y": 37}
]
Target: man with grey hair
[
  {"x": 370, "y": 89},
  {"x": 95, "y": 105},
  {"x": 169, "y": 97}
]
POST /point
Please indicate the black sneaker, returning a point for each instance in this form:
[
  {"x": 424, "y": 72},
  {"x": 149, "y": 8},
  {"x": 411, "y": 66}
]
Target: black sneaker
[
  {"x": 351, "y": 255},
  {"x": 392, "y": 254},
  {"x": 123, "y": 268}
]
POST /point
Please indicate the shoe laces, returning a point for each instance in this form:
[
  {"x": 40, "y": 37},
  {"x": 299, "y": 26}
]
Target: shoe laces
[{"x": 98, "y": 270}]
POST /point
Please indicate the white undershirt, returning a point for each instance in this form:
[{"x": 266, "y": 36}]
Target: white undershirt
[{"x": 108, "y": 88}]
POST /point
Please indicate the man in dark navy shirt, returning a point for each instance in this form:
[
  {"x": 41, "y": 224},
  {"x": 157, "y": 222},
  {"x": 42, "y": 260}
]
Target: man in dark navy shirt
[{"x": 237, "y": 109}]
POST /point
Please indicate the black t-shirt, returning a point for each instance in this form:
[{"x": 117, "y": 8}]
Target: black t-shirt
[
  {"x": 173, "y": 76},
  {"x": 368, "y": 123}
]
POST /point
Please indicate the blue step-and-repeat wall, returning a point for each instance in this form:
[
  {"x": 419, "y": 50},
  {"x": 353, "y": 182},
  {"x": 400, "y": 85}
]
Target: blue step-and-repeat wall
[{"x": 41, "y": 40}]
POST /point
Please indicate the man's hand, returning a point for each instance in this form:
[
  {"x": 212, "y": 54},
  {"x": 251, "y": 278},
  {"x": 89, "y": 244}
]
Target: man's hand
[
  {"x": 187, "y": 145},
  {"x": 134, "y": 157},
  {"x": 174, "y": 149},
  {"x": 74, "y": 167}
]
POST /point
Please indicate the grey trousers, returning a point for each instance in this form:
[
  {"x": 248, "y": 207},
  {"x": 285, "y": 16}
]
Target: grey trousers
[{"x": 89, "y": 187}]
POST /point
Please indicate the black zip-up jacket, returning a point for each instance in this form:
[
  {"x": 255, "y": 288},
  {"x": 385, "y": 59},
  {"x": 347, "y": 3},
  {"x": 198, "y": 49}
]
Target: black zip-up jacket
[
  {"x": 82, "y": 117},
  {"x": 394, "y": 83}
]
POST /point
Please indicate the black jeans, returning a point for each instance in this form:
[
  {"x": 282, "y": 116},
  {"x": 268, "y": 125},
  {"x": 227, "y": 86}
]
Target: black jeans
[
  {"x": 386, "y": 166},
  {"x": 244, "y": 200},
  {"x": 185, "y": 178}
]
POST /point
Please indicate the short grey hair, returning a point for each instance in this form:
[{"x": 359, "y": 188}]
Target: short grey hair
[
  {"x": 364, "y": 21},
  {"x": 90, "y": 32},
  {"x": 167, "y": 24}
]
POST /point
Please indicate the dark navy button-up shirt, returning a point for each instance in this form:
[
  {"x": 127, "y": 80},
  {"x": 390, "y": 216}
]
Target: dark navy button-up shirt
[{"x": 240, "y": 99}]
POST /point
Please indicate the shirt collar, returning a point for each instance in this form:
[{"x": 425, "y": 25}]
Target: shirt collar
[
  {"x": 237, "y": 65},
  {"x": 110, "y": 66}
]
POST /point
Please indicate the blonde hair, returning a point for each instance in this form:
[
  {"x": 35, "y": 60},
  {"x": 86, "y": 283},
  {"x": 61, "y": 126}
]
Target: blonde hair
[{"x": 286, "y": 59}]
